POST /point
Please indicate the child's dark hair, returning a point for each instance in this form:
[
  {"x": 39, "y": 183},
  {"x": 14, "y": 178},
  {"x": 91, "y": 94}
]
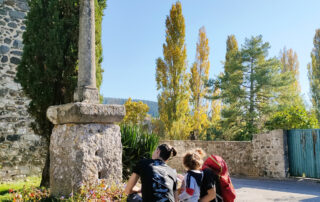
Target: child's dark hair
[
  {"x": 166, "y": 151},
  {"x": 193, "y": 160}
]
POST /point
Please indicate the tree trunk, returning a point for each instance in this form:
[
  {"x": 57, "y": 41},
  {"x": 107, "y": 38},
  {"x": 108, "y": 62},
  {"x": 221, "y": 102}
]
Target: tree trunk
[{"x": 45, "y": 180}]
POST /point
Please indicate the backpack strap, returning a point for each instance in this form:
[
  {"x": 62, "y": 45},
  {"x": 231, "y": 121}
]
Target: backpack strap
[
  {"x": 214, "y": 160},
  {"x": 197, "y": 176}
]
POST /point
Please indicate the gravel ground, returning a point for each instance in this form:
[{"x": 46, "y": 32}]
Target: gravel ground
[{"x": 261, "y": 190}]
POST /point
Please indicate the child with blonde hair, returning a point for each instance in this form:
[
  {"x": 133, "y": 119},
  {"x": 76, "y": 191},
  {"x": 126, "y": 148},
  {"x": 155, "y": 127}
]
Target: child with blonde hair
[{"x": 190, "y": 188}]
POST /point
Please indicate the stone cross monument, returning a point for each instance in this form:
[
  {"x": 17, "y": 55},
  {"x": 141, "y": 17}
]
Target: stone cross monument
[{"x": 85, "y": 143}]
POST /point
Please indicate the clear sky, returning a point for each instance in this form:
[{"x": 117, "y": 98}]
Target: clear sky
[{"x": 133, "y": 32}]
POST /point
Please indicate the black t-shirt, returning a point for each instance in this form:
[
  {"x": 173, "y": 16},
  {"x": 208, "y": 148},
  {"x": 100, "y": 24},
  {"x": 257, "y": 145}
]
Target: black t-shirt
[
  {"x": 159, "y": 181},
  {"x": 209, "y": 181}
]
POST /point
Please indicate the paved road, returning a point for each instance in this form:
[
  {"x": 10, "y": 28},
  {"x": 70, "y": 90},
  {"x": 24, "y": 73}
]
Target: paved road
[{"x": 261, "y": 190}]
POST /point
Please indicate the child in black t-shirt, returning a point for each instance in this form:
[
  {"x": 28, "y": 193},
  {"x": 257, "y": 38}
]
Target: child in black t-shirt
[{"x": 158, "y": 180}]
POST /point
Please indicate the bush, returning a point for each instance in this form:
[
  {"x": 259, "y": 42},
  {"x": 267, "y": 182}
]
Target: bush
[
  {"x": 137, "y": 144},
  {"x": 294, "y": 117}
]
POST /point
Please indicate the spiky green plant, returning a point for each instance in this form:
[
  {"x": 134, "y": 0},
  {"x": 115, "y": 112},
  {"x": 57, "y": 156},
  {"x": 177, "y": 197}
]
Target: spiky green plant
[{"x": 137, "y": 144}]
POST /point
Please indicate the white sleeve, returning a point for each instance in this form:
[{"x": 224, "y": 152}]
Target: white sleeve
[{"x": 188, "y": 191}]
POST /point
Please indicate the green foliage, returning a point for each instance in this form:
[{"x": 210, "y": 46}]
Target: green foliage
[
  {"x": 292, "y": 117},
  {"x": 137, "y": 144},
  {"x": 48, "y": 68},
  {"x": 171, "y": 77},
  {"x": 250, "y": 86},
  {"x": 7, "y": 188},
  {"x": 314, "y": 74},
  {"x": 232, "y": 92}
]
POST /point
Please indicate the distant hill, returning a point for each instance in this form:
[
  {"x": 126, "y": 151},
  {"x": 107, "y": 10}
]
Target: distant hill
[{"x": 153, "y": 106}]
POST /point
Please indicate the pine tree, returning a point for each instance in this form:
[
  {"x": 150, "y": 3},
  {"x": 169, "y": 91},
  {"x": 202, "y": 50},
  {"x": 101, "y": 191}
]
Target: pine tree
[
  {"x": 314, "y": 75},
  {"x": 198, "y": 87},
  {"x": 290, "y": 94},
  {"x": 171, "y": 77},
  {"x": 232, "y": 93},
  {"x": 48, "y": 68},
  {"x": 262, "y": 78}
]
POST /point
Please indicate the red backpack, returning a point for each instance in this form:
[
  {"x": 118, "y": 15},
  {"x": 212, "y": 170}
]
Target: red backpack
[{"x": 220, "y": 168}]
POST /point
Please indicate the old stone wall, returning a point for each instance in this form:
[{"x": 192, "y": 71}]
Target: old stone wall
[
  {"x": 21, "y": 151},
  {"x": 264, "y": 156}
]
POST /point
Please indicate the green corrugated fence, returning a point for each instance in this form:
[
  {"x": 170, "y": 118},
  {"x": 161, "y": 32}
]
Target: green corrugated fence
[{"x": 304, "y": 152}]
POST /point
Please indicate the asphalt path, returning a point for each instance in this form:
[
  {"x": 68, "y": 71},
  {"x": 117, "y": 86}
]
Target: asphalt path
[{"x": 261, "y": 190}]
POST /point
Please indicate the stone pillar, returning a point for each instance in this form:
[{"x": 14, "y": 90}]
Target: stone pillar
[
  {"x": 85, "y": 142},
  {"x": 86, "y": 88},
  {"x": 85, "y": 145}
]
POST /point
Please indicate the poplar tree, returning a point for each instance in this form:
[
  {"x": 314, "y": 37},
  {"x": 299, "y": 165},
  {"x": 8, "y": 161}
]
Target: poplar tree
[
  {"x": 290, "y": 94},
  {"x": 215, "y": 108},
  {"x": 232, "y": 92},
  {"x": 48, "y": 68},
  {"x": 171, "y": 77},
  {"x": 198, "y": 87},
  {"x": 314, "y": 74}
]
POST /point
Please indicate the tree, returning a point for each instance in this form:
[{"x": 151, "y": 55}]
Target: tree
[
  {"x": 314, "y": 74},
  {"x": 198, "y": 87},
  {"x": 136, "y": 112},
  {"x": 292, "y": 117},
  {"x": 48, "y": 68},
  {"x": 171, "y": 76},
  {"x": 290, "y": 94},
  {"x": 232, "y": 92},
  {"x": 262, "y": 79},
  {"x": 215, "y": 108}
]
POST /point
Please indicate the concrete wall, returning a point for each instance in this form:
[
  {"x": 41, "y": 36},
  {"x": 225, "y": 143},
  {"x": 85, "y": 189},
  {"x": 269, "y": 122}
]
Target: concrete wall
[
  {"x": 264, "y": 156},
  {"x": 21, "y": 151}
]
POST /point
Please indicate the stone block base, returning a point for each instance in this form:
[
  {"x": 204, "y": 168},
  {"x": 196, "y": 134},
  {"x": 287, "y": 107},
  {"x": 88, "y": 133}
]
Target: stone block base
[{"x": 84, "y": 153}]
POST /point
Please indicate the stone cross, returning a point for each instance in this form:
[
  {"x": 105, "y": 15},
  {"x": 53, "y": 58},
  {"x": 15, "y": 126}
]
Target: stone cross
[{"x": 86, "y": 88}]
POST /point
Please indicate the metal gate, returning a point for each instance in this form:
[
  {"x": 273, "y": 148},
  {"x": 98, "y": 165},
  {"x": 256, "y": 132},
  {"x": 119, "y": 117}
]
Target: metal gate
[{"x": 304, "y": 152}]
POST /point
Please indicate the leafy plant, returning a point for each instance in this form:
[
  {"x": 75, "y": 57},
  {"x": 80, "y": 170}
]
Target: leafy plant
[
  {"x": 292, "y": 117},
  {"x": 137, "y": 144}
]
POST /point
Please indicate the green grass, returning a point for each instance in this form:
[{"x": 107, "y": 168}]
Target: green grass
[{"x": 17, "y": 185}]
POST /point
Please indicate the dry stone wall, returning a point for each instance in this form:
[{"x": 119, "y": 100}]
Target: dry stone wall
[
  {"x": 264, "y": 156},
  {"x": 21, "y": 151}
]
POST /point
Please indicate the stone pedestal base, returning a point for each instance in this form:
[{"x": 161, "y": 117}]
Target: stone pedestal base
[{"x": 84, "y": 153}]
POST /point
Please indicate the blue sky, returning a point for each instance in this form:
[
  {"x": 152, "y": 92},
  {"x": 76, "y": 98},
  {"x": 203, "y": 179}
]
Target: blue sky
[{"x": 133, "y": 33}]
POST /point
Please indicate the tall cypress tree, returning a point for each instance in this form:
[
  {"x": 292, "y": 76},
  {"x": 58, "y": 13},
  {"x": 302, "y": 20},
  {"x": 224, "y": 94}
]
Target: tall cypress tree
[
  {"x": 314, "y": 74},
  {"x": 171, "y": 76},
  {"x": 48, "y": 68}
]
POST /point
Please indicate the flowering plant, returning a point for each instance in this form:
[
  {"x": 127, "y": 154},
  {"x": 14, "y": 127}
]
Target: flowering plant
[{"x": 100, "y": 191}]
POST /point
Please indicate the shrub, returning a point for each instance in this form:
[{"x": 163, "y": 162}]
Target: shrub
[
  {"x": 137, "y": 144},
  {"x": 293, "y": 117}
]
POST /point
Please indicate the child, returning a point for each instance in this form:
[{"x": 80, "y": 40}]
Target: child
[{"x": 190, "y": 188}]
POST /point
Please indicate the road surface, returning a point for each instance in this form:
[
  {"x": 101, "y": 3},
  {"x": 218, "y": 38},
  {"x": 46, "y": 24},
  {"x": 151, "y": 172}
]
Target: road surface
[{"x": 262, "y": 190}]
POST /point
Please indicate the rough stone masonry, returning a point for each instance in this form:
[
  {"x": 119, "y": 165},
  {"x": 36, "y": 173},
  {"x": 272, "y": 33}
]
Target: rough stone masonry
[
  {"x": 85, "y": 143},
  {"x": 22, "y": 153}
]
